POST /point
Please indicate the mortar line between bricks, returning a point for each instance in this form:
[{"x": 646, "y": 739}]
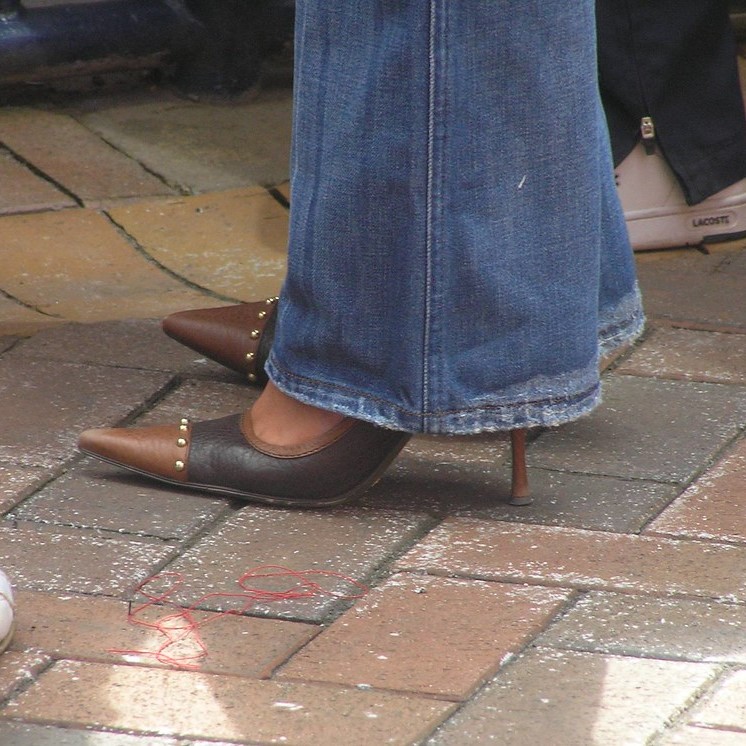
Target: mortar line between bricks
[
  {"x": 25, "y": 684},
  {"x": 693, "y": 325},
  {"x": 680, "y": 718},
  {"x": 586, "y": 587},
  {"x": 279, "y": 197},
  {"x": 140, "y": 249},
  {"x": 4, "y": 293},
  {"x": 42, "y": 175},
  {"x": 721, "y": 453},
  {"x": 179, "y": 188}
]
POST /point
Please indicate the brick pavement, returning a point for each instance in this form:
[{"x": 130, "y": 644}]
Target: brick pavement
[{"x": 610, "y": 612}]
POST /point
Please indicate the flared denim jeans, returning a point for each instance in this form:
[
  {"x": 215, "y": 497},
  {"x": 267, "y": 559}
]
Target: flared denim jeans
[{"x": 457, "y": 257}]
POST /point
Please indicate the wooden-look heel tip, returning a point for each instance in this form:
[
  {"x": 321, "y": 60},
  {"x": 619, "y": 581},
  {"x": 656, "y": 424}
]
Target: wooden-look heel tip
[{"x": 520, "y": 500}]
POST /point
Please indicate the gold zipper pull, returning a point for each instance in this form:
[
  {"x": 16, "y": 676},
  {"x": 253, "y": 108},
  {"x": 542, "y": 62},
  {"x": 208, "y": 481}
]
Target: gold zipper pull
[{"x": 647, "y": 130}]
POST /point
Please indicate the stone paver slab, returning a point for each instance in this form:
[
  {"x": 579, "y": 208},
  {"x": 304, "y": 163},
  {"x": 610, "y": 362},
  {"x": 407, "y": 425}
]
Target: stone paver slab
[
  {"x": 200, "y": 400},
  {"x": 56, "y": 559},
  {"x": 691, "y": 287},
  {"x": 714, "y": 507},
  {"x": 93, "y": 629},
  {"x": 75, "y": 157},
  {"x": 560, "y": 498},
  {"x": 688, "y": 354},
  {"x": 639, "y": 626},
  {"x": 726, "y": 707},
  {"x": 16, "y": 318},
  {"x": 46, "y": 405},
  {"x": 18, "y": 669},
  {"x": 23, "y": 191},
  {"x": 566, "y": 699},
  {"x": 101, "y": 497},
  {"x": 17, "y": 482},
  {"x": 129, "y": 343},
  {"x": 349, "y": 541},
  {"x": 468, "y": 628},
  {"x": 646, "y": 429},
  {"x": 234, "y": 243},
  {"x": 196, "y": 705},
  {"x": 76, "y": 264},
  {"x": 581, "y": 559},
  {"x": 28, "y": 734},
  {"x": 200, "y": 146}
]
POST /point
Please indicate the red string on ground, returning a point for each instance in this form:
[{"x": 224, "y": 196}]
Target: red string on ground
[{"x": 182, "y": 625}]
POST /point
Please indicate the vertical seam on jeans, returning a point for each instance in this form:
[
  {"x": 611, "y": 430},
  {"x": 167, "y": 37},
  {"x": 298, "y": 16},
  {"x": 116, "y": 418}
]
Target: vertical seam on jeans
[{"x": 429, "y": 208}]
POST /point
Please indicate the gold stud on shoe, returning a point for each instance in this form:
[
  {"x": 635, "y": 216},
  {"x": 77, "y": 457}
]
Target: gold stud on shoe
[
  {"x": 181, "y": 442},
  {"x": 179, "y": 466},
  {"x": 255, "y": 333}
]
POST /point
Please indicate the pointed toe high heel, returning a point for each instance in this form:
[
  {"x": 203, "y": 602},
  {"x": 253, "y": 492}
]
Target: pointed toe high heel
[
  {"x": 238, "y": 337},
  {"x": 225, "y": 456}
]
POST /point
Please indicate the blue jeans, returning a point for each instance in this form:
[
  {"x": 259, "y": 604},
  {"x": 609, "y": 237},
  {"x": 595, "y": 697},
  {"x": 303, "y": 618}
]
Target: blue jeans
[{"x": 458, "y": 258}]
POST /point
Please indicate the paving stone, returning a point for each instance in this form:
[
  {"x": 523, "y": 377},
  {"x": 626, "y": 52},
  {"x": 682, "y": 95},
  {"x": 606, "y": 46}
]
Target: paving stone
[
  {"x": 694, "y": 736},
  {"x": 350, "y": 541},
  {"x": 467, "y": 627},
  {"x": 560, "y": 498},
  {"x": 74, "y": 157},
  {"x": 18, "y": 669},
  {"x": 102, "y": 497},
  {"x": 46, "y": 405},
  {"x": 23, "y": 191},
  {"x": 712, "y": 507},
  {"x": 15, "y": 318},
  {"x": 16, "y": 483},
  {"x": 200, "y": 146},
  {"x": 197, "y": 705},
  {"x": 646, "y": 429},
  {"x": 27, "y": 734},
  {"x": 129, "y": 343},
  {"x": 234, "y": 243},
  {"x": 689, "y": 354},
  {"x": 578, "y": 698},
  {"x": 200, "y": 400},
  {"x": 726, "y": 706},
  {"x": 91, "y": 628},
  {"x": 581, "y": 559},
  {"x": 57, "y": 266},
  {"x": 639, "y": 626},
  {"x": 691, "y": 287},
  {"x": 58, "y": 559}
]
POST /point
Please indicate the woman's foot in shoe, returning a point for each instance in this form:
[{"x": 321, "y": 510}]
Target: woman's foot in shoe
[{"x": 280, "y": 452}]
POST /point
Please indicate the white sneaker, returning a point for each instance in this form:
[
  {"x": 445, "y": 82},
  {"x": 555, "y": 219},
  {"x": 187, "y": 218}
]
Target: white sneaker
[
  {"x": 7, "y": 620},
  {"x": 656, "y": 211}
]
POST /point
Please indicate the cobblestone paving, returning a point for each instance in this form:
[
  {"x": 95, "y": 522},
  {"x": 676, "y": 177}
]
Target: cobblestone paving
[{"x": 611, "y": 611}]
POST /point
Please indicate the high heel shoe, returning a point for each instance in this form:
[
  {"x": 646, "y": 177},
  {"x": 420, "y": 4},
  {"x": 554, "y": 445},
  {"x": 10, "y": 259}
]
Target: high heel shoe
[
  {"x": 225, "y": 456},
  {"x": 238, "y": 337}
]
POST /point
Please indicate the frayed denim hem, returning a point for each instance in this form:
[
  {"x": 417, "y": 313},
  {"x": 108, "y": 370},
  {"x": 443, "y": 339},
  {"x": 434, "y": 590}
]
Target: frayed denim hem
[
  {"x": 622, "y": 325},
  {"x": 541, "y": 402}
]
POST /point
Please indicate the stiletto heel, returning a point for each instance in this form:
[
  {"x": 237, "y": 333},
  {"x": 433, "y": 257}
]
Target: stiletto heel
[{"x": 519, "y": 490}]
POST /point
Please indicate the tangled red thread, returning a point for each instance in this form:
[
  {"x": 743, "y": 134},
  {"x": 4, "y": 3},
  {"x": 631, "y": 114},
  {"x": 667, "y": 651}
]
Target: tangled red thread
[{"x": 182, "y": 624}]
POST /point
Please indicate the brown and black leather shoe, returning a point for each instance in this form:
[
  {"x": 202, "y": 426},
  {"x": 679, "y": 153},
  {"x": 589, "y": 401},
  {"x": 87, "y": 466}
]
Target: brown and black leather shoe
[
  {"x": 238, "y": 337},
  {"x": 226, "y": 457}
]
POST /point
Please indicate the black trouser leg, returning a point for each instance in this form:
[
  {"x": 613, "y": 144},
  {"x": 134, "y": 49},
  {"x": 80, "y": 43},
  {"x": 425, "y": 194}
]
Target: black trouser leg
[{"x": 675, "y": 61}]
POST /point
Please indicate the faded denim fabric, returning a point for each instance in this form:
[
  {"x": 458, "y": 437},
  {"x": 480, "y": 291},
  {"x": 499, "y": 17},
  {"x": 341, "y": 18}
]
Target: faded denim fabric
[{"x": 458, "y": 258}]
